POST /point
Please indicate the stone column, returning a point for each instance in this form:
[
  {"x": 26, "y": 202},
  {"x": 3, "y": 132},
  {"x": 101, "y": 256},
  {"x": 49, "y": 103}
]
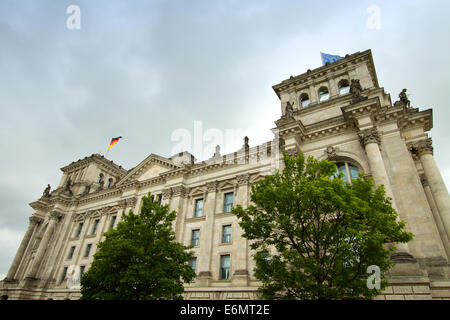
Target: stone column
[
  {"x": 176, "y": 204},
  {"x": 370, "y": 140},
  {"x": 313, "y": 95},
  {"x": 23, "y": 246},
  {"x": 207, "y": 235},
  {"x": 54, "y": 216},
  {"x": 437, "y": 218},
  {"x": 240, "y": 263},
  {"x": 424, "y": 150},
  {"x": 332, "y": 88}
]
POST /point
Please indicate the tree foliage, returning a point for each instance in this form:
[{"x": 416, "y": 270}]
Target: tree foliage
[
  {"x": 315, "y": 235},
  {"x": 140, "y": 259}
]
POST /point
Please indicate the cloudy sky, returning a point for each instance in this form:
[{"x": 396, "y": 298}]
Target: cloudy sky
[{"x": 145, "y": 69}]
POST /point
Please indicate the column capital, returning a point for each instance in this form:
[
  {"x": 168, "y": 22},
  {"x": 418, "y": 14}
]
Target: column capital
[
  {"x": 243, "y": 179},
  {"x": 212, "y": 186},
  {"x": 56, "y": 215},
  {"x": 421, "y": 147},
  {"x": 122, "y": 204},
  {"x": 35, "y": 220},
  {"x": 131, "y": 202},
  {"x": 179, "y": 191},
  {"x": 167, "y": 193},
  {"x": 368, "y": 136}
]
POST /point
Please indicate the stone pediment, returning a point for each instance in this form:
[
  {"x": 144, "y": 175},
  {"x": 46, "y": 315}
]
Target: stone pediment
[{"x": 151, "y": 167}]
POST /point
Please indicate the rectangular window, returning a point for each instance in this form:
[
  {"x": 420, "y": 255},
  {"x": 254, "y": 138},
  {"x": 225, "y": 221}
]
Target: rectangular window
[
  {"x": 113, "y": 222},
  {"x": 82, "y": 270},
  {"x": 80, "y": 226},
  {"x": 63, "y": 276},
  {"x": 226, "y": 234},
  {"x": 193, "y": 263},
  {"x": 228, "y": 202},
  {"x": 198, "y": 208},
  {"x": 195, "y": 237},
  {"x": 159, "y": 199},
  {"x": 72, "y": 249},
  {"x": 94, "y": 228},
  {"x": 225, "y": 267},
  {"x": 88, "y": 249}
]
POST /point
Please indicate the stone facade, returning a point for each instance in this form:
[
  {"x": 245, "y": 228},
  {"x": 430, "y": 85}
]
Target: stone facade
[{"x": 337, "y": 111}]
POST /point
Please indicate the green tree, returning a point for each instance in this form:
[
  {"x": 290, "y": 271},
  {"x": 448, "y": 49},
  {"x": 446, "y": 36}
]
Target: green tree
[
  {"x": 140, "y": 259},
  {"x": 315, "y": 235}
]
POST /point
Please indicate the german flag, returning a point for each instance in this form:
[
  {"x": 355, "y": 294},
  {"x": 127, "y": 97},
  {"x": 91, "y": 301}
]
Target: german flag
[{"x": 113, "y": 142}]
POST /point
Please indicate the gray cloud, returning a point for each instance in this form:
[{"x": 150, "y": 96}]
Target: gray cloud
[{"x": 142, "y": 69}]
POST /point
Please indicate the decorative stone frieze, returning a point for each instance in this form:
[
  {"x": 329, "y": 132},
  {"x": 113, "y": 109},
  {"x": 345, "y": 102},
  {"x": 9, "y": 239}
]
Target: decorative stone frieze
[{"x": 369, "y": 136}]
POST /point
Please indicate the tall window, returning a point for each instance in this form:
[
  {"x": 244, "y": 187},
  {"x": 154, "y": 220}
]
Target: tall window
[
  {"x": 198, "y": 208},
  {"x": 94, "y": 228},
  {"x": 193, "y": 263},
  {"x": 225, "y": 267},
  {"x": 304, "y": 100},
  {"x": 100, "y": 177},
  {"x": 78, "y": 232},
  {"x": 228, "y": 202},
  {"x": 88, "y": 250},
  {"x": 226, "y": 234},
  {"x": 349, "y": 171},
  {"x": 195, "y": 237},
  {"x": 323, "y": 94},
  {"x": 344, "y": 87},
  {"x": 72, "y": 249},
  {"x": 63, "y": 275},
  {"x": 110, "y": 182},
  {"x": 159, "y": 198},
  {"x": 82, "y": 270},
  {"x": 113, "y": 222}
]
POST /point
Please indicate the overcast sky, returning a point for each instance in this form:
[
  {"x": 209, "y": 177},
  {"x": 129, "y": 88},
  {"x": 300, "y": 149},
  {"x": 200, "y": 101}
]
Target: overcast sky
[{"x": 143, "y": 69}]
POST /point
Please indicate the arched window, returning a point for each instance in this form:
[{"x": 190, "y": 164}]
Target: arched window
[
  {"x": 100, "y": 177},
  {"x": 304, "y": 100},
  {"x": 349, "y": 171},
  {"x": 110, "y": 182},
  {"x": 324, "y": 94},
  {"x": 344, "y": 87}
]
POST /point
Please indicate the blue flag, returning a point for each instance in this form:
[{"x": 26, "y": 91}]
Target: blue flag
[{"x": 329, "y": 58}]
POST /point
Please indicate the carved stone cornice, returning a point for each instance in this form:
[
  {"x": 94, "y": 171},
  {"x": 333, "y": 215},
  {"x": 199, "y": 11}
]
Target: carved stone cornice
[
  {"x": 369, "y": 136},
  {"x": 421, "y": 147}
]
